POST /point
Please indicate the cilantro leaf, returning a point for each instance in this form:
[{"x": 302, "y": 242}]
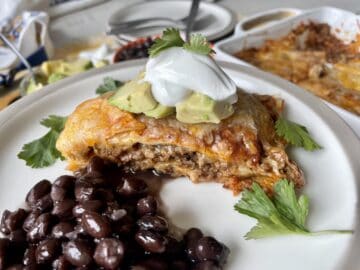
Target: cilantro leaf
[
  {"x": 170, "y": 38},
  {"x": 109, "y": 84},
  {"x": 295, "y": 134},
  {"x": 258, "y": 205},
  {"x": 295, "y": 210},
  {"x": 198, "y": 44},
  {"x": 284, "y": 214},
  {"x": 54, "y": 122},
  {"x": 42, "y": 152}
]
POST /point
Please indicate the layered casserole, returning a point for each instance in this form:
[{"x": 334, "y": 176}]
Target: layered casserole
[{"x": 312, "y": 57}]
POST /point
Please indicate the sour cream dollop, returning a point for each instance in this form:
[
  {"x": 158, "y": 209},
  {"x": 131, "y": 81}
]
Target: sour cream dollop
[{"x": 175, "y": 73}]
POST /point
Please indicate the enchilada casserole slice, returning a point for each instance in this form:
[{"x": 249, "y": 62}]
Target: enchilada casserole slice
[{"x": 239, "y": 150}]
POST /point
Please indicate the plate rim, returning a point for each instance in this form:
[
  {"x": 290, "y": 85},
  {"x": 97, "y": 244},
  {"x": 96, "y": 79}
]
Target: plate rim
[
  {"x": 348, "y": 140},
  {"x": 213, "y": 37}
]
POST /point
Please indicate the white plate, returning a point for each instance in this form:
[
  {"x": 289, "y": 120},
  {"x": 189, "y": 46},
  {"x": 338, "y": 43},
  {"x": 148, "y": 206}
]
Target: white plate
[
  {"x": 331, "y": 174},
  {"x": 215, "y": 21}
]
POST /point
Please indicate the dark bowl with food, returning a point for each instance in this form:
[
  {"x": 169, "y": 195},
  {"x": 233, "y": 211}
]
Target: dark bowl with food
[{"x": 134, "y": 50}]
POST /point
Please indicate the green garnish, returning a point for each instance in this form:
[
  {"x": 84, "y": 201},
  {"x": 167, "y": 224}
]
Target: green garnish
[
  {"x": 170, "y": 38},
  {"x": 42, "y": 152},
  {"x": 283, "y": 214},
  {"x": 295, "y": 134},
  {"x": 109, "y": 84},
  {"x": 198, "y": 44}
]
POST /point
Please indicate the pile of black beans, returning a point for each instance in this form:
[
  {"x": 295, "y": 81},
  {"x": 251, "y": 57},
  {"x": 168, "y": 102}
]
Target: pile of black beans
[
  {"x": 134, "y": 50},
  {"x": 100, "y": 218}
]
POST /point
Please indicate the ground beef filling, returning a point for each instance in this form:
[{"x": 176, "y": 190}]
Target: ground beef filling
[{"x": 173, "y": 160}]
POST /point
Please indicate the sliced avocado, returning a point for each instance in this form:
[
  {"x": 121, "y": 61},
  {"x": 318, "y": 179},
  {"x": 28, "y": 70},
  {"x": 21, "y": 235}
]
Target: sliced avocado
[
  {"x": 101, "y": 63},
  {"x": 199, "y": 108},
  {"x": 135, "y": 97},
  {"x": 56, "y": 77},
  {"x": 75, "y": 67},
  {"x": 160, "y": 111},
  {"x": 50, "y": 67},
  {"x": 33, "y": 86}
]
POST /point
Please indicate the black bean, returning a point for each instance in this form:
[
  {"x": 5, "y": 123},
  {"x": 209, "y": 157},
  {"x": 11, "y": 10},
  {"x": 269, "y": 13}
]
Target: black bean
[
  {"x": 109, "y": 253},
  {"x": 47, "y": 250},
  {"x": 209, "y": 249},
  {"x": 153, "y": 223},
  {"x": 61, "y": 264},
  {"x": 190, "y": 238},
  {"x": 129, "y": 208},
  {"x": 132, "y": 187},
  {"x": 124, "y": 226},
  {"x": 192, "y": 235},
  {"x": 146, "y": 206},
  {"x": 41, "y": 228},
  {"x": 4, "y": 247},
  {"x": 78, "y": 252},
  {"x": 93, "y": 206},
  {"x": 179, "y": 265},
  {"x": 3, "y": 226},
  {"x": 114, "y": 212},
  {"x": 151, "y": 264},
  {"x": 40, "y": 189},
  {"x": 62, "y": 229},
  {"x": 65, "y": 181},
  {"x": 174, "y": 248},
  {"x": 15, "y": 267},
  {"x": 18, "y": 237},
  {"x": 34, "y": 267},
  {"x": 105, "y": 195},
  {"x": 78, "y": 232},
  {"x": 43, "y": 204},
  {"x": 29, "y": 256},
  {"x": 84, "y": 191},
  {"x": 12, "y": 221},
  {"x": 94, "y": 179},
  {"x": 207, "y": 265},
  {"x": 62, "y": 188},
  {"x": 95, "y": 225},
  {"x": 96, "y": 165},
  {"x": 30, "y": 220},
  {"x": 63, "y": 209},
  {"x": 58, "y": 193},
  {"x": 151, "y": 241}
]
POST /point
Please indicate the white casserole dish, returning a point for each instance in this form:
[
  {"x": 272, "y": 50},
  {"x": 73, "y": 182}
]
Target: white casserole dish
[{"x": 277, "y": 23}]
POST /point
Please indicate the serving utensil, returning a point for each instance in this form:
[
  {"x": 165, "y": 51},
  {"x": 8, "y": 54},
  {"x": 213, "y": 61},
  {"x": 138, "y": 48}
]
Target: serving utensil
[
  {"x": 18, "y": 54},
  {"x": 191, "y": 20}
]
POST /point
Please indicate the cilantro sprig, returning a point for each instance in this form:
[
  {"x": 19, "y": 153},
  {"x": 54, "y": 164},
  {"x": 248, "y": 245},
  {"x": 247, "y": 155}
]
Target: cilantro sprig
[
  {"x": 198, "y": 44},
  {"x": 171, "y": 38},
  {"x": 109, "y": 84},
  {"x": 42, "y": 152},
  {"x": 295, "y": 134},
  {"x": 282, "y": 214}
]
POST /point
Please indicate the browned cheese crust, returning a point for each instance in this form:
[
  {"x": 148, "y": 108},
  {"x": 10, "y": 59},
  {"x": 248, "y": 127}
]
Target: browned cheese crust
[
  {"x": 241, "y": 149},
  {"x": 315, "y": 59}
]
